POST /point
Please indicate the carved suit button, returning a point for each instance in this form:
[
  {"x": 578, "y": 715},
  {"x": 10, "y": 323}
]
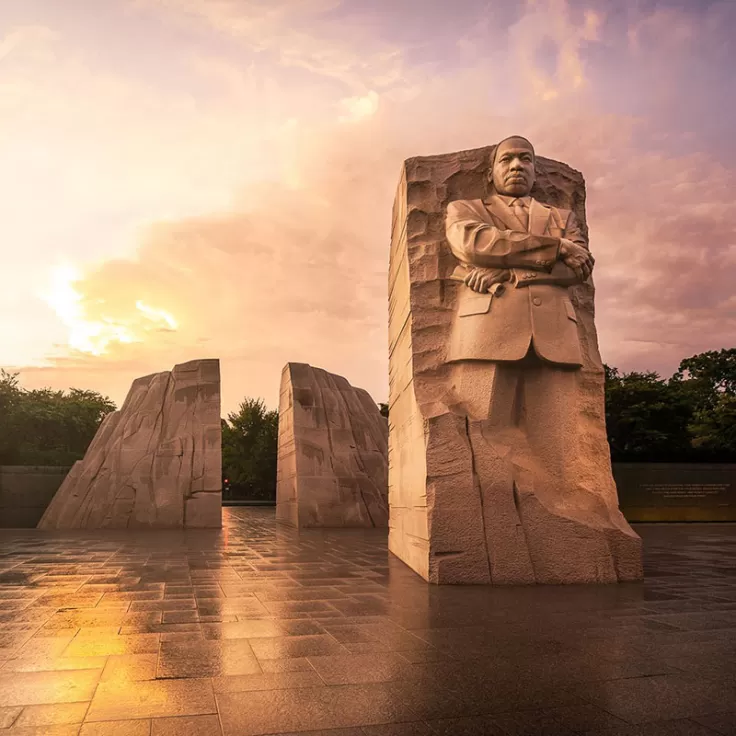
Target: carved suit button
[{"x": 536, "y": 301}]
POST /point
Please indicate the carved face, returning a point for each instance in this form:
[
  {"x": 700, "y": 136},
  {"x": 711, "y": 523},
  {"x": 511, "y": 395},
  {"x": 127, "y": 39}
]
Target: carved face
[{"x": 513, "y": 168}]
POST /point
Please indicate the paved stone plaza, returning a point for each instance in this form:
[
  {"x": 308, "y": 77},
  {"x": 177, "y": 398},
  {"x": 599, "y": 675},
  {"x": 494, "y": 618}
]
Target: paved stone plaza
[{"x": 259, "y": 629}]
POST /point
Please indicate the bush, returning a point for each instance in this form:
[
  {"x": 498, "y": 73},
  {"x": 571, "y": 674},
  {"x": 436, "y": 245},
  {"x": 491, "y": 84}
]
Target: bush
[
  {"x": 249, "y": 451},
  {"x": 45, "y": 427}
]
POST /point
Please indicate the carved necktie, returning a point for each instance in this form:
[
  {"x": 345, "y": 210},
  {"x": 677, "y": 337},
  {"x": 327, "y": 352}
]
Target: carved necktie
[{"x": 519, "y": 209}]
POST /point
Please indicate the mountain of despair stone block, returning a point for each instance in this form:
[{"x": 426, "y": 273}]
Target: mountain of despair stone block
[
  {"x": 156, "y": 462},
  {"x": 332, "y": 457}
]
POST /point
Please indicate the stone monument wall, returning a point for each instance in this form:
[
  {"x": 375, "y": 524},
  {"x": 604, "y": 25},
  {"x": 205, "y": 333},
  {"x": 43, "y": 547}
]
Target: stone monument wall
[
  {"x": 332, "y": 456},
  {"x": 25, "y": 493},
  {"x": 157, "y": 462}
]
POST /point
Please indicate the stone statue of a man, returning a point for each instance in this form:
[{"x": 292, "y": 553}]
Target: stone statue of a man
[
  {"x": 534, "y": 251},
  {"x": 515, "y": 356},
  {"x": 499, "y": 464}
]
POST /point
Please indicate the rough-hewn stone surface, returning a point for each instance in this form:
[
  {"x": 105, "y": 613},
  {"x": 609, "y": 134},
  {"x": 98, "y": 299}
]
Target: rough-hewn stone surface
[
  {"x": 332, "y": 464},
  {"x": 157, "y": 462},
  {"x": 449, "y": 522}
]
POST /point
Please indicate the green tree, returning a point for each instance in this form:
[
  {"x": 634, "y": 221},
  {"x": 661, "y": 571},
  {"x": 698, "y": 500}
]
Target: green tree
[
  {"x": 10, "y": 394},
  {"x": 708, "y": 380},
  {"x": 715, "y": 369},
  {"x": 647, "y": 417},
  {"x": 713, "y": 430},
  {"x": 249, "y": 450},
  {"x": 45, "y": 427}
]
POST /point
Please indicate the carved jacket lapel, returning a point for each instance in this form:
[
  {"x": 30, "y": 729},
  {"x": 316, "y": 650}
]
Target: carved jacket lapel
[
  {"x": 539, "y": 215},
  {"x": 501, "y": 211}
]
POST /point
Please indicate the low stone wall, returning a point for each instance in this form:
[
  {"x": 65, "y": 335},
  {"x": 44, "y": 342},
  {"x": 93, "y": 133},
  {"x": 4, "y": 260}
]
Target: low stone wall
[
  {"x": 25, "y": 492},
  {"x": 647, "y": 492},
  {"x": 676, "y": 491}
]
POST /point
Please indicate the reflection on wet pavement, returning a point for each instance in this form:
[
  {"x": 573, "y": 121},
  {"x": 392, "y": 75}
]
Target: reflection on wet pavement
[{"x": 259, "y": 629}]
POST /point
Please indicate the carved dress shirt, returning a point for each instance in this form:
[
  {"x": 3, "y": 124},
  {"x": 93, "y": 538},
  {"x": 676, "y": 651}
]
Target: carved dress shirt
[{"x": 520, "y": 207}]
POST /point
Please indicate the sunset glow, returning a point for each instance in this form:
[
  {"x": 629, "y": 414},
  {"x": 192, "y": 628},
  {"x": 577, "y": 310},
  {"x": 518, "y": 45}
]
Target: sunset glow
[
  {"x": 217, "y": 177},
  {"x": 93, "y": 336},
  {"x": 156, "y": 315}
]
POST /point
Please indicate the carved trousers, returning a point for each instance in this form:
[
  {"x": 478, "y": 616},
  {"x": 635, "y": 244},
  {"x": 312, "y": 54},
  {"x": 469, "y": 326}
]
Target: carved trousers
[
  {"x": 527, "y": 403},
  {"x": 522, "y": 428}
]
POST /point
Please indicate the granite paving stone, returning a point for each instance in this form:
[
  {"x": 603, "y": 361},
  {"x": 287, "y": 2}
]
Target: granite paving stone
[
  {"x": 205, "y": 658},
  {"x": 294, "y": 664},
  {"x": 191, "y": 726},
  {"x": 268, "y": 681},
  {"x": 308, "y": 709},
  {"x": 354, "y": 669},
  {"x": 326, "y": 732},
  {"x": 260, "y": 629},
  {"x": 130, "y": 668},
  {"x": 49, "y": 715},
  {"x": 151, "y": 699},
  {"x": 282, "y": 647},
  {"x": 117, "y": 728},
  {"x": 59, "y": 729},
  {"x": 723, "y": 723},
  {"x": 659, "y": 697},
  {"x": 415, "y": 728},
  {"x": 8, "y": 716},
  {"x": 679, "y": 727},
  {"x": 39, "y": 688}
]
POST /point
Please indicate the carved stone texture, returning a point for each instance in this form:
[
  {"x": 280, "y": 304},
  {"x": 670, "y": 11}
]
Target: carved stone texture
[
  {"x": 332, "y": 461},
  {"x": 156, "y": 462},
  {"x": 470, "y": 503}
]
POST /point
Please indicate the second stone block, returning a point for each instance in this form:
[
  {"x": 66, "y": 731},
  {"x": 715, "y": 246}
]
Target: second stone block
[{"x": 333, "y": 452}]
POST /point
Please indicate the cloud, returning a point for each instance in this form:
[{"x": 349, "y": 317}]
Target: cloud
[
  {"x": 549, "y": 27},
  {"x": 93, "y": 336},
  {"x": 92, "y": 156},
  {"x": 314, "y": 35},
  {"x": 263, "y": 213},
  {"x": 356, "y": 108},
  {"x": 31, "y": 41}
]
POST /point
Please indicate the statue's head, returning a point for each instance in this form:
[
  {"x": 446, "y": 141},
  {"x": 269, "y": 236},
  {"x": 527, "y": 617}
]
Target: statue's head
[{"x": 512, "y": 168}]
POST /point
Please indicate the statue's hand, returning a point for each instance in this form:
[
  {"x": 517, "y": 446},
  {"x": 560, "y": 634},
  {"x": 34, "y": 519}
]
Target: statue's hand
[
  {"x": 578, "y": 258},
  {"x": 481, "y": 279}
]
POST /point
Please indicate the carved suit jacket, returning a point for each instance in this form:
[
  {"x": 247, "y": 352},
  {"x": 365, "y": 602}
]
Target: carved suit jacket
[{"x": 535, "y": 309}]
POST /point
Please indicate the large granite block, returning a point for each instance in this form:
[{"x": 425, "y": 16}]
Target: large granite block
[
  {"x": 332, "y": 461},
  {"x": 157, "y": 462},
  {"x": 499, "y": 466}
]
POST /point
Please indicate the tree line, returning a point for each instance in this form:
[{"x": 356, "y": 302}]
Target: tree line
[
  {"x": 45, "y": 427},
  {"x": 688, "y": 417}
]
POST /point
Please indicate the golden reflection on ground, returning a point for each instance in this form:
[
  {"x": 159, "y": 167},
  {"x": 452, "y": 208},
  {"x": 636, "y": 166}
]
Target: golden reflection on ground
[{"x": 260, "y": 629}]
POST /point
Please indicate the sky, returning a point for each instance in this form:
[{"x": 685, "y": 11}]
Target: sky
[{"x": 184, "y": 179}]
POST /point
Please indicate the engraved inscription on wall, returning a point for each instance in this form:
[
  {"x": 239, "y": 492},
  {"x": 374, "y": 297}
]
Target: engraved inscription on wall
[
  {"x": 669, "y": 484},
  {"x": 688, "y": 491}
]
